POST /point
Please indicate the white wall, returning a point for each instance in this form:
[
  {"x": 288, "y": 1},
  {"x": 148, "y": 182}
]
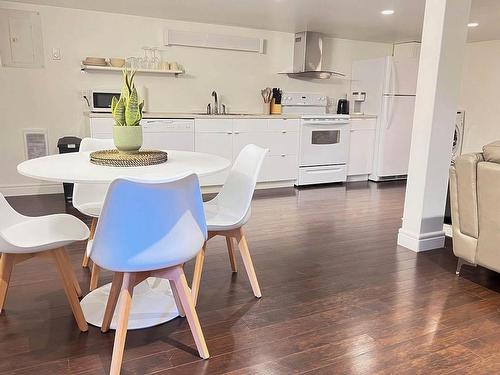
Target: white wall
[
  {"x": 50, "y": 97},
  {"x": 479, "y": 94}
]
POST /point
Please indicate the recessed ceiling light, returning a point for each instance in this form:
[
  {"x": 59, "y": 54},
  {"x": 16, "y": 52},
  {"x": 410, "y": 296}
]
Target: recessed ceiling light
[
  {"x": 387, "y": 12},
  {"x": 473, "y": 24}
]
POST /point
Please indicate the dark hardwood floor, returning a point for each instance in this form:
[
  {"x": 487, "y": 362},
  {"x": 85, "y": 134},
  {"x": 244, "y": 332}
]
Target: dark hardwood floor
[{"x": 339, "y": 297}]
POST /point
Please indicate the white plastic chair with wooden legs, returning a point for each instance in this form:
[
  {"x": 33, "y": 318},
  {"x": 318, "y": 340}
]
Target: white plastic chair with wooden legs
[
  {"x": 146, "y": 230},
  {"x": 230, "y": 210},
  {"x": 89, "y": 198},
  {"x": 23, "y": 237}
]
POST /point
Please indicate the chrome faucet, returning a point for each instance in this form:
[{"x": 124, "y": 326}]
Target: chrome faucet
[{"x": 216, "y": 103}]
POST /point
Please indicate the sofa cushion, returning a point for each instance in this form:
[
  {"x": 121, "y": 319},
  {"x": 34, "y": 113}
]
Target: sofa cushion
[{"x": 491, "y": 152}]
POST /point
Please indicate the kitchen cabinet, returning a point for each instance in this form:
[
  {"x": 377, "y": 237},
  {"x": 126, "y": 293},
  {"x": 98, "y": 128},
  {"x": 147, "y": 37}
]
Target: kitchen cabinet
[
  {"x": 163, "y": 134},
  {"x": 227, "y": 137},
  {"x": 214, "y": 136},
  {"x": 224, "y": 137},
  {"x": 361, "y": 150}
]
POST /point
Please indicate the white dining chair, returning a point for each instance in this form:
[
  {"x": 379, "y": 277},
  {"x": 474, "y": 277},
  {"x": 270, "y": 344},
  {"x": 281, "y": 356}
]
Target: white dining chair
[
  {"x": 89, "y": 198},
  {"x": 23, "y": 237},
  {"x": 230, "y": 210},
  {"x": 149, "y": 229}
]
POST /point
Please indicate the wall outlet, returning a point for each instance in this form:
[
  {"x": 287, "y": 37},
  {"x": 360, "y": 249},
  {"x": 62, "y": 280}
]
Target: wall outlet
[{"x": 56, "y": 54}]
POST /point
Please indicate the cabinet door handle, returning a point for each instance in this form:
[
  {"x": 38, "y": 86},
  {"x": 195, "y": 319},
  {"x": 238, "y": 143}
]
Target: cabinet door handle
[
  {"x": 236, "y": 132},
  {"x": 229, "y": 132},
  {"x": 283, "y": 131},
  {"x": 283, "y": 155}
]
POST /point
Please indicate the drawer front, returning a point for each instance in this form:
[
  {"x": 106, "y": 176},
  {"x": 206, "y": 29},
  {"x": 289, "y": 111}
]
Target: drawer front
[
  {"x": 284, "y": 124},
  {"x": 213, "y": 125},
  {"x": 359, "y": 124},
  {"x": 279, "y": 168},
  {"x": 322, "y": 175},
  {"x": 250, "y": 125}
]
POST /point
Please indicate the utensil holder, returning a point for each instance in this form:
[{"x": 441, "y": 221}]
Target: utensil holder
[
  {"x": 275, "y": 109},
  {"x": 266, "y": 108}
]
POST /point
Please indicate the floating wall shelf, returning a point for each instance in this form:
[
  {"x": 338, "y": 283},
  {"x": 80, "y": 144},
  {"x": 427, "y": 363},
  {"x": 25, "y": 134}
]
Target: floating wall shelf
[{"x": 91, "y": 68}]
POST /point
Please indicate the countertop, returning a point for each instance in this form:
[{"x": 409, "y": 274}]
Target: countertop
[
  {"x": 179, "y": 115},
  {"x": 363, "y": 116}
]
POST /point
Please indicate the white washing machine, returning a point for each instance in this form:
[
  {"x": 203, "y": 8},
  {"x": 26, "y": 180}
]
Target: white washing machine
[
  {"x": 458, "y": 137},
  {"x": 458, "y": 141}
]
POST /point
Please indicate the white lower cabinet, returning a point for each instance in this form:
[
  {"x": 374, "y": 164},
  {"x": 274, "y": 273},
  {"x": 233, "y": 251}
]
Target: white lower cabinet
[
  {"x": 279, "y": 168},
  {"x": 214, "y": 137},
  {"x": 361, "y": 150},
  {"x": 223, "y": 137},
  {"x": 227, "y": 137}
]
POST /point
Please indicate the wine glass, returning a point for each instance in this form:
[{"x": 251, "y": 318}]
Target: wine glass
[
  {"x": 146, "y": 61},
  {"x": 155, "y": 59}
]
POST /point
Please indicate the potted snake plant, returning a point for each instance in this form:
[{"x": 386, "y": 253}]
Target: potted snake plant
[{"x": 127, "y": 112}]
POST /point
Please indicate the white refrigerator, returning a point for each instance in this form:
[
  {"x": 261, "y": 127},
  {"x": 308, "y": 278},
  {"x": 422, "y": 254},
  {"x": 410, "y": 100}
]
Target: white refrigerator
[{"x": 390, "y": 84}]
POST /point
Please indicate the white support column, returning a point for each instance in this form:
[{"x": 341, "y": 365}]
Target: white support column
[{"x": 443, "y": 43}]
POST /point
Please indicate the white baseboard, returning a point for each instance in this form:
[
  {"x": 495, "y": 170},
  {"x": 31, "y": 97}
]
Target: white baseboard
[
  {"x": 260, "y": 185},
  {"x": 39, "y": 189},
  {"x": 31, "y": 189},
  {"x": 357, "y": 178},
  {"x": 421, "y": 242}
]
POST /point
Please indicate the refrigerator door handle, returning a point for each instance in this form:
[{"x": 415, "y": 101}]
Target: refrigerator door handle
[
  {"x": 393, "y": 77},
  {"x": 389, "y": 113}
]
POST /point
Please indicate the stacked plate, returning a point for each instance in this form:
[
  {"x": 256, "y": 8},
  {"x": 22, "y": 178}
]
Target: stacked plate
[{"x": 95, "y": 61}]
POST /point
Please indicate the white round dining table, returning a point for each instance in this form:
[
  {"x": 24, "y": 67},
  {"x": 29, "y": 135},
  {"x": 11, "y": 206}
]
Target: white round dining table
[{"x": 153, "y": 302}]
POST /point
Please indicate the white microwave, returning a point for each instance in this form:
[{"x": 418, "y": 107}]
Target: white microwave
[{"x": 100, "y": 100}]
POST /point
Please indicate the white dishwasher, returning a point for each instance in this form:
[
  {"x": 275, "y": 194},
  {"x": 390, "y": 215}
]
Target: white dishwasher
[
  {"x": 168, "y": 134},
  {"x": 160, "y": 134}
]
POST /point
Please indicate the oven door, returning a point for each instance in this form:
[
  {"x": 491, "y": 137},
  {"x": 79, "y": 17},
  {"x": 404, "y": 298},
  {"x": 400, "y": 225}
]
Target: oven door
[{"x": 324, "y": 142}]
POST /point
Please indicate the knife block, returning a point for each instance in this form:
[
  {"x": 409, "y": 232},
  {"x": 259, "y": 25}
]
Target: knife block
[{"x": 275, "y": 108}]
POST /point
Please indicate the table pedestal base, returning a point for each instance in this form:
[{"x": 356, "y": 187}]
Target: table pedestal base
[{"x": 152, "y": 304}]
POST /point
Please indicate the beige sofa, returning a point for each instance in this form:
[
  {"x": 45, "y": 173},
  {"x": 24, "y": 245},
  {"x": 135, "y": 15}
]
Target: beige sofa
[{"x": 475, "y": 208}]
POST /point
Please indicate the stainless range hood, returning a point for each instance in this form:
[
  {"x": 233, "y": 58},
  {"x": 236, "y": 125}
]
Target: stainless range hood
[{"x": 308, "y": 57}]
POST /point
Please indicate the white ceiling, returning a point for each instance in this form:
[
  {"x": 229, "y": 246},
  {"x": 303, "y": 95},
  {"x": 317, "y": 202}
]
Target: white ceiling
[{"x": 352, "y": 19}]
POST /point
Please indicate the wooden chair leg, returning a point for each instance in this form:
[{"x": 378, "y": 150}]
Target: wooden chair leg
[
  {"x": 71, "y": 273},
  {"x": 126, "y": 293},
  {"x": 94, "y": 276},
  {"x": 247, "y": 261},
  {"x": 93, "y": 225},
  {"x": 114, "y": 293},
  {"x": 177, "y": 299},
  {"x": 186, "y": 299},
  {"x": 232, "y": 254},
  {"x": 198, "y": 268},
  {"x": 6, "y": 265},
  {"x": 69, "y": 289}
]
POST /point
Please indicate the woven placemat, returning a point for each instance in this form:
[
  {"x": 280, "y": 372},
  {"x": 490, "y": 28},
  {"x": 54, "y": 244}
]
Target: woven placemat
[{"x": 115, "y": 158}]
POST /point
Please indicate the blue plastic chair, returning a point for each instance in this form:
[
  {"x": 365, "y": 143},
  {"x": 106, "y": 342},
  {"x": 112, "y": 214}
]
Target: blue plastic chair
[{"x": 149, "y": 229}]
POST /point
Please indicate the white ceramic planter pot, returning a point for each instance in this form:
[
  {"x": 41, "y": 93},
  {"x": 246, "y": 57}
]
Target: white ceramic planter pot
[{"x": 127, "y": 138}]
